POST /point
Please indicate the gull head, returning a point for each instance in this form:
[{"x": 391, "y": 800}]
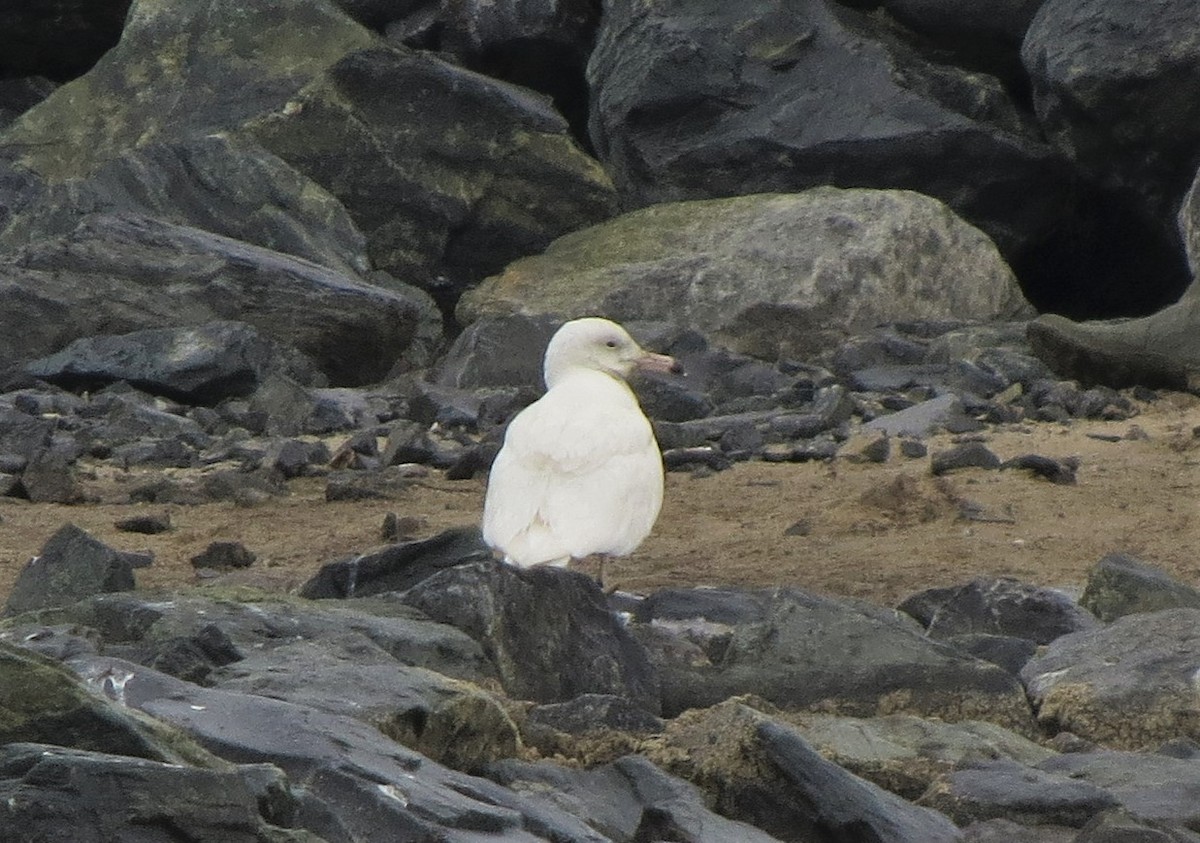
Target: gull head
[{"x": 603, "y": 346}]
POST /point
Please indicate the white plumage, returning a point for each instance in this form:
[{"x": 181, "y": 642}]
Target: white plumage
[{"x": 580, "y": 472}]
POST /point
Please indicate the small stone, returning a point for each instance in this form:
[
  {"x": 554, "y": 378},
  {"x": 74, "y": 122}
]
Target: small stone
[
  {"x": 1056, "y": 471},
  {"x": 877, "y": 451},
  {"x": 913, "y": 449},
  {"x": 802, "y": 527},
  {"x": 224, "y": 556},
  {"x": 968, "y": 455},
  {"x": 149, "y": 525}
]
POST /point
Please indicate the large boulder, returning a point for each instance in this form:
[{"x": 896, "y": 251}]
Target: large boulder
[
  {"x": 42, "y": 702},
  {"x": 1120, "y": 584},
  {"x": 694, "y": 100},
  {"x": 121, "y": 273},
  {"x": 449, "y": 174},
  {"x": 1115, "y": 87},
  {"x": 218, "y": 182},
  {"x": 771, "y": 275},
  {"x": 182, "y": 68}
]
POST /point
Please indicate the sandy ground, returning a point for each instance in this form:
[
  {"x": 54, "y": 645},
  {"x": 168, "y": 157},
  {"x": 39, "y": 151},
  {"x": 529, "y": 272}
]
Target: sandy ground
[{"x": 875, "y": 531}]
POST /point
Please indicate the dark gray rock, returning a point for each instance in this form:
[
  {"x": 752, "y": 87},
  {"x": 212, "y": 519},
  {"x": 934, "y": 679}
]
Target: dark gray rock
[
  {"x": 898, "y": 113},
  {"x": 794, "y": 654},
  {"x": 71, "y": 566},
  {"x": 627, "y": 801},
  {"x": 905, "y": 754},
  {"x": 362, "y": 785},
  {"x": 49, "y": 477},
  {"x": 1109, "y": 92},
  {"x": 68, "y": 794},
  {"x": 547, "y": 630},
  {"x": 1128, "y": 684},
  {"x": 1005, "y": 789},
  {"x": 42, "y": 702},
  {"x": 841, "y": 804},
  {"x": 967, "y": 455},
  {"x": 141, "y": 627},
  {"x": 216, "y": 182},
  {"x": 1120, "y": 827},
  {"x": 1120, "y": 584},
  {"x": 22, "y": 434},
  {"x": 1152, "y": 787},
  {"x": 19, "y": 95},
  {"x": 481, "y": 207},
  {"x": 203, "y": 364},
  {"x": 397, "y": 567},
  {"x": 121, "y": 273},
  {"x": 224, "y": 555},
  {"x": 998, "y": 606},
  {"x": 1010, "y": 652},
  {"x": 1061, "y": 472},
  {"x": 500, "y": 351},
  {"x": 451, "y": 721}
]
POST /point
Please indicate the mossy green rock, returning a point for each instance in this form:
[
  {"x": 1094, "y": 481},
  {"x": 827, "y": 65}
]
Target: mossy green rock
[
  {"x": 771, "y": 274},
  {"x": 182, "y": 67},
  {"x": 43, "y": 702}
]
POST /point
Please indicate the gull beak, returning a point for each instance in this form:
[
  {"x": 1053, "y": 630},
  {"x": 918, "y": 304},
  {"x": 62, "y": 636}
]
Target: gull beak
[{"x": 650, "y": 362}]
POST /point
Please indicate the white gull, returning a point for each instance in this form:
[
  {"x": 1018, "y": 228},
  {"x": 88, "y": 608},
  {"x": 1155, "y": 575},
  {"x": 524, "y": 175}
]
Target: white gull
[{"x": 580, "y": 472}]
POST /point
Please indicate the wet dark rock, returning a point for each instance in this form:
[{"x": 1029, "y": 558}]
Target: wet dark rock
[
  {"x": 71, "y": 566},
  {"x": 1120, "y": 584},
  {"x": 967, "y": 455},
  {"x": 999, "y": 606}
]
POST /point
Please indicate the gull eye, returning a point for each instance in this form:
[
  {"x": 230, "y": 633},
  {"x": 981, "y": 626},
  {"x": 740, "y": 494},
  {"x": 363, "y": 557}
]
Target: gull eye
[{"x": 611, "y": 343}]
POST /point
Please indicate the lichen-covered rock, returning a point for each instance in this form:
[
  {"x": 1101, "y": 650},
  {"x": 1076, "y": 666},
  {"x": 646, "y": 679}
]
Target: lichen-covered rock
[
  {"x": 770, "y": 275},
  {"x": 1121, "y": 585},
  {"x": 1130, "y": 684}
]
